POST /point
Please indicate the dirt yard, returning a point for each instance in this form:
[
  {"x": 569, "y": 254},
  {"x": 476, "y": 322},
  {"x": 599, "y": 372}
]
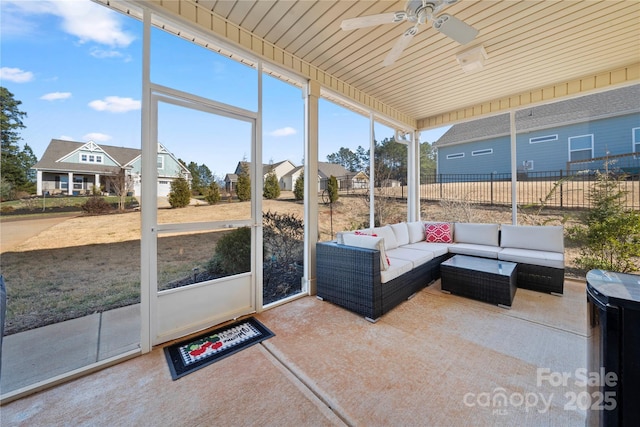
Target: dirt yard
[{"x": 55, "y": 264}]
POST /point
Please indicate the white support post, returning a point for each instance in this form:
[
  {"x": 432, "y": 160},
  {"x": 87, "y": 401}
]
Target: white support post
[
  {"x": 39, "y": 191},
  {"x": 514, "y": 169},
  {"x": 372, "y": 175},
  {"x": 312, "y": 96}
]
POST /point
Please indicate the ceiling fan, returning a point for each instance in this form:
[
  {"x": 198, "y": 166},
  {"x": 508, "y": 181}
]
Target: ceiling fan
[{"x": 418, "y": 12}]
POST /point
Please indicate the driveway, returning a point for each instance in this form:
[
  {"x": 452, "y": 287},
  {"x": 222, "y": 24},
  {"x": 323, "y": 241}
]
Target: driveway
[{"x": 14, "y": 231}]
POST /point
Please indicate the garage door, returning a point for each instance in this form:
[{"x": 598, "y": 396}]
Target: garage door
[{"x": 163, "y": 188}]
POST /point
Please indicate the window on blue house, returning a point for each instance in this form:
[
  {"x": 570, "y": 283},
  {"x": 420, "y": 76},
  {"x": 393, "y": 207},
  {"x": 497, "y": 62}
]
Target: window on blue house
[
  {"x": 636, "y": 140},
  {"x": 482, "y": 152},
  {"x": 546, "y": 138},
  {"x": 580, "y": 147},
  {"x": 455, "y": 156}
]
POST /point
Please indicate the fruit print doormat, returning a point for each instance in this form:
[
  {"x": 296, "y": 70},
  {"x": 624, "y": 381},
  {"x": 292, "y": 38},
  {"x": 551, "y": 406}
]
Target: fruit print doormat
[{"x": 195, "y": 353}]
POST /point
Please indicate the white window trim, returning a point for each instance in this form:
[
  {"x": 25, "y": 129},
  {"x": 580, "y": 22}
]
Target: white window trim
[
  {"x": 161, "y": 160},
  {"x": 86, "y": 158},
  {"x": 541, "y": 139},
  {"x": 581, "y": 149},
  {"x": 635, "y": 143},
  {"x": 483, "y": 152},
  {"x": 455, "y": 156}
]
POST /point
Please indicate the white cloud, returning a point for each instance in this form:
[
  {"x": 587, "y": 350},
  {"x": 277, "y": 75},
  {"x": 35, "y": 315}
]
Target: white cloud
[
  {"x": 15, "y": 75},
  {"x": 53, "y": 96},
  {"x": 66, "y": 138},
  {"x": 285, "y": 131},
  {"x": 115, "y": 104},
  {"x": 108, "y": 53},
  {"x": 84, "y": 19},
  {"x": 96, "y": 137}
]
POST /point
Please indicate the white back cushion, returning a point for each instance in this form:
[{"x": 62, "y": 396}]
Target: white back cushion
[
  {"x": 479, "y": 234},
  {"x": 416, "y": 231},
  {"x": 540, "y": 238},
  {"x": 402, "y": 233},
  {"x": 388, "y": 235}
]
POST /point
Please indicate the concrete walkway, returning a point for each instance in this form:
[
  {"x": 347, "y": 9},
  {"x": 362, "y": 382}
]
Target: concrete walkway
[{"x": 43, "y": 353}]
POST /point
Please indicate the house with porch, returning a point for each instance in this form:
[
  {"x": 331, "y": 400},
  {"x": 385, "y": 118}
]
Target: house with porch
[{"x": 76, "y": 168}]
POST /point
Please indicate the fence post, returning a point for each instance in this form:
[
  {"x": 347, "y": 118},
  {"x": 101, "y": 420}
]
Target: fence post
[
  {"x": 440, "y": 186},
  {"x": 561, "y": 190},
  {"x": 491, "y": 186}
]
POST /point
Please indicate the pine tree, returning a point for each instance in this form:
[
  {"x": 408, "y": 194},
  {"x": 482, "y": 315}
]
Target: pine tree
[
  {"x": 271, "y": 188},
  {"x": 15, "y": 162},
  {"x": 243, "y": 186},
  {"x": 180, "y": 194},
  {"x": 298, "y": 189},
  {"x": 332, "y": 188},
  {"x": 213, "y": 193}
]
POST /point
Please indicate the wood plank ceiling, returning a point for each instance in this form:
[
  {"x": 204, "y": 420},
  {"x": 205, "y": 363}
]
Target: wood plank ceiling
[{"x": 530, "y": 45}]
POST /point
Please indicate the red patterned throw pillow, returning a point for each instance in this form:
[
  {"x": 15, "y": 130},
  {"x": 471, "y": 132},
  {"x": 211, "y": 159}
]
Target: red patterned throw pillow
[{"x": 438, "y": 232}]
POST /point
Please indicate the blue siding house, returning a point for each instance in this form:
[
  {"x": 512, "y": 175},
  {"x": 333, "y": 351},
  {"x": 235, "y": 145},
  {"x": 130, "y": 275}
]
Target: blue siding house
[{"x": 550, "y": 138}]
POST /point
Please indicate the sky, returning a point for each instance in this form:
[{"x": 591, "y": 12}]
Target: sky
[{"x": 76, "y": 66}]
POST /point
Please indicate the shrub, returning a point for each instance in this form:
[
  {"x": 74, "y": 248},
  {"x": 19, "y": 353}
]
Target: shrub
[
  {"x": 609, "y": 233},
  {"x": 332, "y": 188},
  {"x": 96, "y": 205},
  {"x": 283, "y": 237},
  {"x": 232, "y": 253},
  {"x": 243, "y": 186},
  {"x": 180, "y": 194},
  {"x": 212, "y": 195},
  {"x": 271, "y": 188},
  {"x": 298, "y": 188}
]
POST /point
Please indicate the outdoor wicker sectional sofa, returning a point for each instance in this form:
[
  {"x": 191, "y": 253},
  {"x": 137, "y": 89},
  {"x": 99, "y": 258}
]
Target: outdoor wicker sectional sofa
[{"x": 371, "y": 271}]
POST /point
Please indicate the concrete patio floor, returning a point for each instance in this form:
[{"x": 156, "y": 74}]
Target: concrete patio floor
[{"x": 436, "y": 359}]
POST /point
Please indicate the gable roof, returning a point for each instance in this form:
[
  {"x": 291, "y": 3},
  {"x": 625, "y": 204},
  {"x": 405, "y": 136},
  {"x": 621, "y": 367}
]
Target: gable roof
[
  {"x": 325, "y": 170},
  {"x": 612, "y": 103},
  {"x": 58, "y": 149}
]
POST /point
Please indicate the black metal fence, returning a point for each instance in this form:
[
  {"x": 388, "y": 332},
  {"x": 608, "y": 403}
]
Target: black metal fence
[
  {"x": 555, "y": 189},
  {"x": 558, "y": 189}
]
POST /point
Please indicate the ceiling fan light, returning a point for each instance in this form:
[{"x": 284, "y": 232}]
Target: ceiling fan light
[{"x": 472, "y": 60}]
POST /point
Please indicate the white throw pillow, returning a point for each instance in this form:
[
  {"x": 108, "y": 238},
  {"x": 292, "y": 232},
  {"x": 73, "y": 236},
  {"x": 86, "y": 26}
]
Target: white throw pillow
[{"x": 369, "y": 242}]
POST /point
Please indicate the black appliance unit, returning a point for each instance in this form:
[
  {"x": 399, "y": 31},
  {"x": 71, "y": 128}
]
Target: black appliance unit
[{"x": 613, "y": 304}]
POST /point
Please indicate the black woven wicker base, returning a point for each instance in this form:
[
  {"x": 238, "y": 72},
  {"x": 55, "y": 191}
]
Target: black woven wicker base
[{"x": 493, "y": 288}]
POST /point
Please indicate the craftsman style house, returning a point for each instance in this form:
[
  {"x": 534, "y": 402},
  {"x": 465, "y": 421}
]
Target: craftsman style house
[{"x": 75, "y": 168}]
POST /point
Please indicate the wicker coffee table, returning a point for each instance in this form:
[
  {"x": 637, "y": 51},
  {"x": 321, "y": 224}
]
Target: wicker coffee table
[{"x": 482, "y": 279}]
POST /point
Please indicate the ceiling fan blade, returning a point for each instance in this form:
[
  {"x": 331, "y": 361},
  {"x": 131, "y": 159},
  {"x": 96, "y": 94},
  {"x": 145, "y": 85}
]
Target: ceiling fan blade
[
  {"x": 454, "y": 28},
  {"x": 371, "y": 20},
  {"x": 400, "y": 45}
]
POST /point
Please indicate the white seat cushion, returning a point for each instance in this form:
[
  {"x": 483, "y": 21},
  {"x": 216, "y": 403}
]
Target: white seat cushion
[
  {"x": 438, "y": 249},
  {"x": 397, "y": 268},
  {"x": 483, "y": 251},
  {"x": 415, "y": 256},
  {"x": 527, "y": 256}
]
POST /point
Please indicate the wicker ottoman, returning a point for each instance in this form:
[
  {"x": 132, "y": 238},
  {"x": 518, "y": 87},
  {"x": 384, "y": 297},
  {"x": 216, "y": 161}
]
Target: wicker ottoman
[{"x": 482, "y": 279}]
